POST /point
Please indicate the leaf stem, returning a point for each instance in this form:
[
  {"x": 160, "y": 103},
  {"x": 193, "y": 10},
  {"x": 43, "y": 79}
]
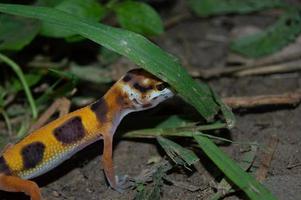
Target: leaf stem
[{"x": 16, "y": 68}]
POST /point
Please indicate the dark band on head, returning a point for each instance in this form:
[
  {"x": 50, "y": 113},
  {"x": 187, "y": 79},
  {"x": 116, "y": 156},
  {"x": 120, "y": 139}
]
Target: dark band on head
[{"x": 142, "y": 89}]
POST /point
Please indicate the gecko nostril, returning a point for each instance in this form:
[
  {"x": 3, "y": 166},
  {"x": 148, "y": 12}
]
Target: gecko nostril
[{"x": 135, "y": 101}]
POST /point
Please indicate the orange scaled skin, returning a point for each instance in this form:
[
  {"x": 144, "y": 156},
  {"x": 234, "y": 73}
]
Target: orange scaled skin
[{"x": 52, "y": 144}]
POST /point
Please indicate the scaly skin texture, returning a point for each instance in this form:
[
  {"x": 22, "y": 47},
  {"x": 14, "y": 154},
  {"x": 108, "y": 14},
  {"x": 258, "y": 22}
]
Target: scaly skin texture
[{"x": 52, "y": 144}]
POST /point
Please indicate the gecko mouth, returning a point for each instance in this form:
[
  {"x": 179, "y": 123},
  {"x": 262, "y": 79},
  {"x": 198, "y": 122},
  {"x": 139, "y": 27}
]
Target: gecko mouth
[{"x": 136, "y": 101}]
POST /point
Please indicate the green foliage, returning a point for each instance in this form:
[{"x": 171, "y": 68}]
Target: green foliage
[
  {"x": 88, "y": 9},
  {"x": 135, "y": 47},
  {"x": 16, "y": 68},
  {"x": 15, "y": 32},
  {"x": 246, "y": 182},
  {"x": 11, "y": 37},
  {"x": 224, "y": 186},
  {"x": 138, "y": 17},
  {"x": 107, "y": 56},
  {"x": 155, "y": 190},
  {"x": 177, "y": 153},
  {"x": 277, "y": 36},
  {"x": 218, "y": 7}
]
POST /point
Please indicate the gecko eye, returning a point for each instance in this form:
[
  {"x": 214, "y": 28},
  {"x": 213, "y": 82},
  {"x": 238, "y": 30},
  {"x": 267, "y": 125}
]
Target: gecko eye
[{"x": 161, "y": 86}]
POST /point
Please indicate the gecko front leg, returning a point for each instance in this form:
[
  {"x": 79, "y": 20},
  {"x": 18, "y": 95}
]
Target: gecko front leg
[{"x": 116, "y": 183}]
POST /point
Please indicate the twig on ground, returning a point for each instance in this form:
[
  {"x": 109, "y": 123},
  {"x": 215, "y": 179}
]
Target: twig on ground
[
  {"x": 291, "y": 166},
  {"x": 290, "y": 66},
  {"x": 184, "y": 185},
  {"x": 61, "y": 104},
  {"x": 291, "y": 98},
  {"x": 246, "y": 70},
  {"x": 171, "y": 22},
  {"x": 266, "y": 159}
]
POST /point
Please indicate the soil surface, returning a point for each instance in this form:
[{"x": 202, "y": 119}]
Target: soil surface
[{"x": 200, "y": 44}]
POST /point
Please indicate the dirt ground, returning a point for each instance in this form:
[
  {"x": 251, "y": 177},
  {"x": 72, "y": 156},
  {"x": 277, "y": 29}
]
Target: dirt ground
[{"x": 200, "y": 44}]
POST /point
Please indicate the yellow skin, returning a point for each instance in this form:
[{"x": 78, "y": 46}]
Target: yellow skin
[{"x": 47, "y": 147}]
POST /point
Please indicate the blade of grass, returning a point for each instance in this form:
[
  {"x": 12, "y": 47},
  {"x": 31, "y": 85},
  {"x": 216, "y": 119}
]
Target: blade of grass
[
  {"x": 7, "y": 121},
  {"x": 132, "y": 45},
  {"x": 176, "y": 131},
  {"x": 177, "y": 153},
  {"x": 224, "y": 187},
  {"x": 16, "y": 68},
  {"x": 246, "y": 182}
]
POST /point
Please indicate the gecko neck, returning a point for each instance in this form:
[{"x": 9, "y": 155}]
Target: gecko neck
[{"x": 111, "y": 109}]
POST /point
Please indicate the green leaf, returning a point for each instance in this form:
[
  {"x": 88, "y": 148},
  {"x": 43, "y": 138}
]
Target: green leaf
[
  {"x": 226, "y": 110},
  {"x": 277, "y": 36},
  {"x": 50, "y": 3},
  {"x": 177, "y": 153},
  {"x": 107, "y": 56},
  {"x": 218, "y": 7},
  {"x": 132, "y": 45},
  {"x": 246, "y": 182},
  {"x": 139, "y": 17},
  {"x": 17, "y": 32},
  {"x": 246, "y": 162},
  {"x": 89, "y": 9}
]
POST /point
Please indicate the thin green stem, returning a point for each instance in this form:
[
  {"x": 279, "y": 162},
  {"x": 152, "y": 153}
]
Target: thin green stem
[
  {"x": 20, "y": 75},
  {"x": 7, "y": 121},
  {"x": 178, "y": 131}
]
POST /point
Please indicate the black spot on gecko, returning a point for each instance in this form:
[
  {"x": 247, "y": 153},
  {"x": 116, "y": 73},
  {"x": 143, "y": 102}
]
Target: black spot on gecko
[
  {"x": 4, "y": 168},
  {"x": 141, "y": 88},
  {"x": 32, "y": 154},
  {"x": 71, "y": 131},
  {"x": 100, "y": 108}
]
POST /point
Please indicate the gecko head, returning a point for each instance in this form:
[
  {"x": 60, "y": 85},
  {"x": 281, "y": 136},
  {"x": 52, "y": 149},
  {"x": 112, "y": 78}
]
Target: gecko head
[{"x": 143, "y": 89}]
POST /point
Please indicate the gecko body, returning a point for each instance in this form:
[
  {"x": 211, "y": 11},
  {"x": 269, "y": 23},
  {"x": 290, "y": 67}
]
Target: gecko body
[{"x": 47, "y": 147}]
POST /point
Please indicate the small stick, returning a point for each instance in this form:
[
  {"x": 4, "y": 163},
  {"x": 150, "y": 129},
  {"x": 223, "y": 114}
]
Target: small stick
[
  {"x": 184, "y": 185},
  {"x": 266, "y": 159},
  {"x": 171, "y": 22},
  {"x": 291, "y": 98},
  {"x": 247, "y": 70},
  {"x": 271, "y": 69},
  {"x": 61, "y": 104}
]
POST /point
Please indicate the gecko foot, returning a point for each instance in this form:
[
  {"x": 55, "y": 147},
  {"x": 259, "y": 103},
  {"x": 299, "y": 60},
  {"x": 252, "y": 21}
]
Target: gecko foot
[{"x": 123, "y": 183}]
